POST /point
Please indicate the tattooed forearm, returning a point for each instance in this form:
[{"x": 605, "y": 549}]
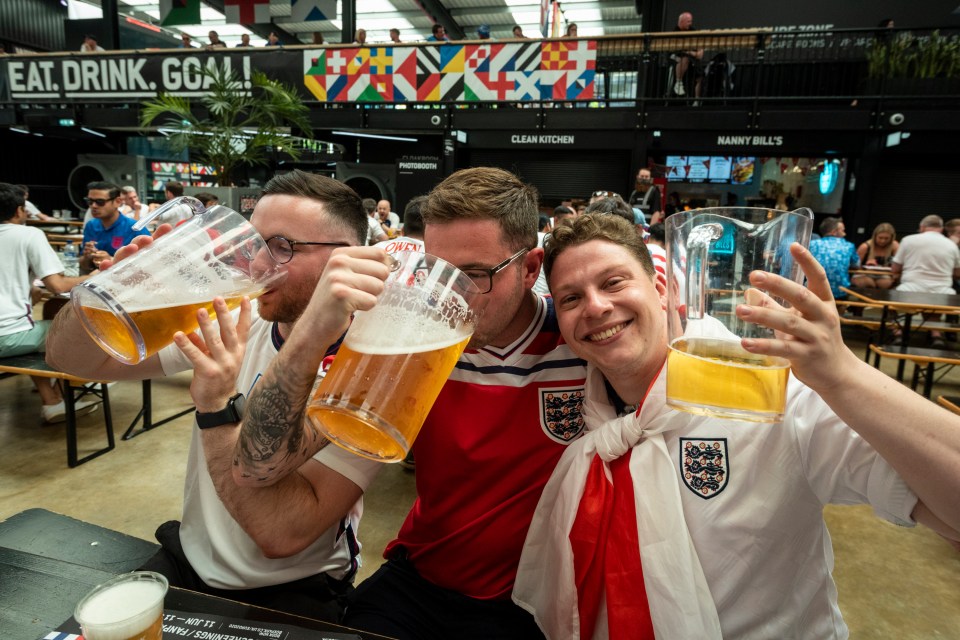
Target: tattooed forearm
[{"x": 275, "y": 437}]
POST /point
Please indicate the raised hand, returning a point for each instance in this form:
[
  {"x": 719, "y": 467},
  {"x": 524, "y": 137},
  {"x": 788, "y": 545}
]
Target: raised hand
[{"x": 135, "y": 245}]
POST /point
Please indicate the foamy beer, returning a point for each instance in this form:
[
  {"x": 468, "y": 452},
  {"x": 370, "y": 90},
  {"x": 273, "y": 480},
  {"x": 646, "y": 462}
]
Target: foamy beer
[
  {"x": 128, "y": 607},
  {"x": 710, "y": 254},
  {"x": 396, "y": 357},
  {"x": 133, "y": 309}
]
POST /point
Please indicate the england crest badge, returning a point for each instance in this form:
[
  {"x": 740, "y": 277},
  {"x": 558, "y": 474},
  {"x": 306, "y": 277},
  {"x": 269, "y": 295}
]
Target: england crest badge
[
  {"x": 560, "y": 413},
  {"x": 704, "y": 465}
]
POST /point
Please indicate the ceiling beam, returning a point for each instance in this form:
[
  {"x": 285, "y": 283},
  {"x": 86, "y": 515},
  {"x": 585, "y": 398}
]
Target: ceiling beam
[
  {"x": 438, "y": 13},
  {"x": 262, "y": 30}
]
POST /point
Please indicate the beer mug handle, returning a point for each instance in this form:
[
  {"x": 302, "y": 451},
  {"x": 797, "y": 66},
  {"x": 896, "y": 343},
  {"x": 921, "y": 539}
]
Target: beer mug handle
[
  {"x": 698, "y": 249},
  {"x": 183, "y": 201}
]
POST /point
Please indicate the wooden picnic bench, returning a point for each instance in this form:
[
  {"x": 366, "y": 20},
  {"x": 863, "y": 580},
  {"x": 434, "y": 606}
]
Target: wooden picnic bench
[
  {"x": 927, "y": 363},
  {"x": 74, "y": 388}
]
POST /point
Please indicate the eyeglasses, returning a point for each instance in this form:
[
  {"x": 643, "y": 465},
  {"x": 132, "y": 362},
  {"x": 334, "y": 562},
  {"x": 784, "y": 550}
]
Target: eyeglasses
[
  {"x": 605, "y": 194},
  {"x": 483, "y": 278},
  {"x": 281, "y": 249},
  {"x": 97, "y": 201}
]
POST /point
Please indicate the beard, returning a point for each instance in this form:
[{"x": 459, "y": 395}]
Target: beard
[
  {"x": 287, "y": 303},
  {"x": 497, "y": 316}
]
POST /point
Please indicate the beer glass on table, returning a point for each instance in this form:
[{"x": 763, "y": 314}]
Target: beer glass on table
[
  {"x": 396, "y": 357},
  {"x": 710, "y": 254},
  {"x": 133, "y": 309},
  {"x": 128, "y": 607}
]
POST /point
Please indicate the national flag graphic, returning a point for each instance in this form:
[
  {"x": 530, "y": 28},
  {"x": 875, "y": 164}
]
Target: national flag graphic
[
  {"x": 311, "y": 10},
  {"x": 246, "y": 11},
  {"x": 175, "y": 12}
]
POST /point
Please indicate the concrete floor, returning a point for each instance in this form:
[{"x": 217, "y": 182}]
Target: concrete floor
[{"x": 893, "y": 582}]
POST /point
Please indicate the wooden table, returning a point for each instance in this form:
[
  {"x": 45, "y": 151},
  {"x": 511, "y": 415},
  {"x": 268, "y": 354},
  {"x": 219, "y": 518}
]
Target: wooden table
[
  {"x": 57, "y": 222},
  {"x": 905, "y": 304},
  {"x": 49, "y": 561}
]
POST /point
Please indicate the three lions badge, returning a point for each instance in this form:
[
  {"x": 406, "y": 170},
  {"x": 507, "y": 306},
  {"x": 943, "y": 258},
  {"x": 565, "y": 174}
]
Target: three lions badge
[
  {"x": 704, "y": 466},
  {"x": 560, "y": 413}
]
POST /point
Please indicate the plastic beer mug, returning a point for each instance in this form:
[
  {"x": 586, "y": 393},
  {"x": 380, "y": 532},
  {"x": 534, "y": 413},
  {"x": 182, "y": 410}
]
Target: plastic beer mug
[
  {"x": 128, "y": 607},
  {"x": 710, "y": 254},
  {"x": 133, "y": 309},
  {"x": 396, "y": 357}
]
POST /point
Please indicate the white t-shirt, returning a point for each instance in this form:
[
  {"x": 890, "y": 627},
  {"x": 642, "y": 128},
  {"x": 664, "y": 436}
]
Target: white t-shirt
[
  {"x": 540, "y": 286},
  {"x": 374, "y": 230},
  {"x": 928, "y": 261},
  {"x": 23, "y": 251},
  {"x": 218, "y": 549},
  {"x": 31, "y": 208}
]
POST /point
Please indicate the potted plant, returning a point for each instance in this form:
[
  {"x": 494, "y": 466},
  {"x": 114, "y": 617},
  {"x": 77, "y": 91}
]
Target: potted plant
[
  {"x": 235, "y": 125},
  {"x": 909, "y": 64}
]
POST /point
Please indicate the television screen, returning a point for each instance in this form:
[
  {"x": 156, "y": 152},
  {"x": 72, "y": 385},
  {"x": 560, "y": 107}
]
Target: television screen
[{"x": 714, "y": 169}]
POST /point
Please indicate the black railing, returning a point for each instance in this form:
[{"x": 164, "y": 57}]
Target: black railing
[{"x": 722, "y": 67}]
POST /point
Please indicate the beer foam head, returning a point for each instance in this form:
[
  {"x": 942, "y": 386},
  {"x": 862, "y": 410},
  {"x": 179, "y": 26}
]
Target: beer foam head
[
  {"x": 121, "y": 611},
  {"x": 410, "y": 322}
]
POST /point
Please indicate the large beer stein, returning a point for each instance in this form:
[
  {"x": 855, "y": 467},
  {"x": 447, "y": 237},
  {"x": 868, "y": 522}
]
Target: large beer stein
[
  {"x": 133, "y": 309},
  {"x": 710, "y": 254},
  {"x": 396, "y": 357},
  {"x": 128, "y": 607}
]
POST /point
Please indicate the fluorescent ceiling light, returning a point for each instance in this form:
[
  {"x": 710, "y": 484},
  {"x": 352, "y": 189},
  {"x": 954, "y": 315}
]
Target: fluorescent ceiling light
[
  {"x": 92, "y": 132},
  {"x": 373, "y": 135},
  {"x": 19, "y": 130}
]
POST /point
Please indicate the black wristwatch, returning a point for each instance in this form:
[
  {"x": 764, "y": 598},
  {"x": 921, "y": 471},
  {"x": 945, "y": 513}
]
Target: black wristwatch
[{"x": 230, "y": 414}]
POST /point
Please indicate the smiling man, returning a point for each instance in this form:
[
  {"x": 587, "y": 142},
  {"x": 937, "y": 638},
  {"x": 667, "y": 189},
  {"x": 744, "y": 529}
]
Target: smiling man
[{"x": 726, "y": 516}]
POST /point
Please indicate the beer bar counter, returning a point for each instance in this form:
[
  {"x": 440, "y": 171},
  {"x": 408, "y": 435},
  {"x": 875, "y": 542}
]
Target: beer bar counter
[{"x": 49, "y": 561}]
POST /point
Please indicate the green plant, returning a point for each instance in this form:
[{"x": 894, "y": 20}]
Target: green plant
[
  {"x": 908, "y": 56},
  {"x": 241, "y": 126}
]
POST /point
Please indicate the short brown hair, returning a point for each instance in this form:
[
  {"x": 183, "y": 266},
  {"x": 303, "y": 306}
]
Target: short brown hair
[
  {"x": 594, "y": 226},
  {"x": 340, "y": 202},
  {"x": 487, "y": 193}
]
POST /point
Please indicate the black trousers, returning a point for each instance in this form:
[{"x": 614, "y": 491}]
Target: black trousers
[
  {"x": 397, "y": 602},
  {"x": 319, "y": 596}
]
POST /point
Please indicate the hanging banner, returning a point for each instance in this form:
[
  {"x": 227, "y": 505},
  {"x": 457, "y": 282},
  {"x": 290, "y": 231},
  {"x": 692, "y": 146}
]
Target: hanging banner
[
  {"x": 544, "y": 17},
  {"x": 174, "y": 12},
  {"x": 246, "y": 11},
  {"x": 311, "y": 10},
  {"x": 561, "y": 70}
]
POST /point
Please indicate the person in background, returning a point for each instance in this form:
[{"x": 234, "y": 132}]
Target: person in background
[
  {"x": 412, "y": 238},
  {"x": 33, "y": 213},
  {"x": 646, "y": 195},
  {"x": 109, "y": 229},
  {"x": 928, "y": 261},
  {"x": 171, "y": 190},
  {"x": 518, "y": 32},
  {"x": 601, "y": 194},
  {"x": 291, "y": 546},
  {"x": 571, "y": 30},
  {"x": 318, "y": 37},
  {"x": 26, "y": 255},
  {"x": 360, "y": 38},
  {"x": 878, "y": 251},
  {"x": 540, "y": 287},
  {"x": 483, "y": 32},
  {"x": 627, "y": 542},
  {"x": 438, "y": 34},
  {"x": 207, "y": 199},
  {"x": 375, "y": 232},
  {"x": 388, "y": 219},
  {"x": 657, "y": 248},
  {"x": 215, "y": 41},
  {"x": 501, "y": 421},
  {"x": 562, "y": 215},
  {"x": 687, "y": 61},
  {"x": 244, "y": 41},
  {"x": 837, "y": 256},
  {"x": 90, "y": 44},
  {"x": 395, "y": 36},
  {"x": 273, "y": 40},
  {"x": 673, "y": 205},
  {"x": 132, "y": 207},
  {"x": 186, "y": 42}
]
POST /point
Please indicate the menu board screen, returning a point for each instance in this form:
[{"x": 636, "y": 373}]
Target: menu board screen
[{"x": 715, "y": 169}]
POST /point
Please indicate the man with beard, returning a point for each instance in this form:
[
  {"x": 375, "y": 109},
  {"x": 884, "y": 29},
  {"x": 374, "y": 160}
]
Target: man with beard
[
  {"x": 290, "y": 546},
  {"x": 506, "y": 414}
]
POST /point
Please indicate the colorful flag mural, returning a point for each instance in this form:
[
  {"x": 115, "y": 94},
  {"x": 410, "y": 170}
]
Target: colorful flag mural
[
  {"x": 310, "y": 10},
  {"x": 562, "y": 70},
  {"x": 174, "y": 12},
  {"x": 246, "y": 11}
]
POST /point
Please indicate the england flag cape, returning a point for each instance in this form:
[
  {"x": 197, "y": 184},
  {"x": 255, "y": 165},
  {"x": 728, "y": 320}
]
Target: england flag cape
[{"x": 681, "y": 606}]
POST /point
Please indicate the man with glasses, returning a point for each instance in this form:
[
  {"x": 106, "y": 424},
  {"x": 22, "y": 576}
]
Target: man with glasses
[
  {"x": 495, "y": 433},
  {"x": 108, "y": 230},
  {"x": 291, "y": 546}
]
